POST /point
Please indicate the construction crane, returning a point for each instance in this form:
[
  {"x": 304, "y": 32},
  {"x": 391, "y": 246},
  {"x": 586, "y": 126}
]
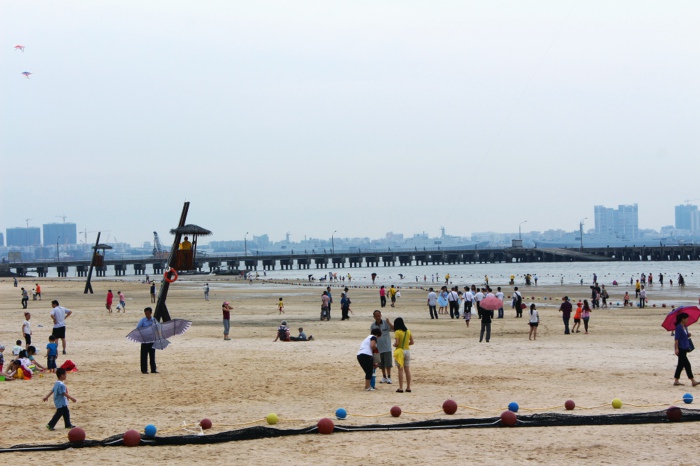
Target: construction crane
[
  {"x": 64, "y": 217},
  {"x": 158, "y": 251},
  {"x": 27, "y": 220},
  {"x": 688, "y": 201}
]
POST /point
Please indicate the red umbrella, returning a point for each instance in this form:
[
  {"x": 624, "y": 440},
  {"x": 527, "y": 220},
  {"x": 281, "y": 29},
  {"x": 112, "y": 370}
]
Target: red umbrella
[
  {"x": 491, "y": 303},
  {"x": 670, "y": 320}
]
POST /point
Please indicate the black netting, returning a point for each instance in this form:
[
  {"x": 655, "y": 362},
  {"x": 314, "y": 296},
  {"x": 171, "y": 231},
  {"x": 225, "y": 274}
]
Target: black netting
[{"x": 259, "y": 432}]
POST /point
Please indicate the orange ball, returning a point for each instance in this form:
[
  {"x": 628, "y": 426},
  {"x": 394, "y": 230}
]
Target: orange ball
[
  {"x": 132, "y": 438},
  {"x": 325, "y": 426}
]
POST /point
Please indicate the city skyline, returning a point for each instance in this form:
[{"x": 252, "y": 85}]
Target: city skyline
[
  {"x": 312, "y": 117},
  {"x": 606, "y": 221}
]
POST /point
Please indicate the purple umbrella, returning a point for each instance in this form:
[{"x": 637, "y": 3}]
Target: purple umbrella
[{"x": 670, "y": 320}]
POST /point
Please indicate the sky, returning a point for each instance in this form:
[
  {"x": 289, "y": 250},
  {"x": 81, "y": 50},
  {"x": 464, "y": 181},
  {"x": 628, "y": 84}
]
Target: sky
[{"x": 345, "y": 118}]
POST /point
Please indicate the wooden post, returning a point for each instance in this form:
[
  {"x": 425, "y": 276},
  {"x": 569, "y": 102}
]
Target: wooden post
[
  {"x": 88, "y": 285},
  {"x": 161, "y": 312}
]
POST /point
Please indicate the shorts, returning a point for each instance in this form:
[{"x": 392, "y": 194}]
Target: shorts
[
  {"x": 406, "y": 359},
  {"x": 51, "y": 362},
  {"x": 534, "y": 324},
  {"x": 577, "y": 321},
  {"x": 122, "y": 304},
  {"x": 28, "y": 339},
  {"x": 468, "y": 315},
  {"x": 385, "y": 360},
  {"x": 59, "y": 332}
]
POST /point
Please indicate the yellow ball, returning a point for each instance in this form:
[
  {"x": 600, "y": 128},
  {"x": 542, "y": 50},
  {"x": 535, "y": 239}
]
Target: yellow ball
[
  {"x": 617, "y": 403},
  {"x": 272, "y": 418}
]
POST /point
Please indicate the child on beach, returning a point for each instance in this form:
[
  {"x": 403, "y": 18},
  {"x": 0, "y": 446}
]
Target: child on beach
[
  {"x": 60, "y": 400},
  {"x": 577, "y": 318},
  {"x": 32, "y": 360},
  {"x": 534, "y": 322},
  {"x": 122, "y": 302},
  {"x": 51, "y": 354},
  {"x": 280, "y": 306},
  {"x": 627, "y": 299},
  {"x": 2, "y": 357},
  {"x": 17, "y": 348},
  {"x": 27, "y": 329},
  {"x": 18, "y": 372}
]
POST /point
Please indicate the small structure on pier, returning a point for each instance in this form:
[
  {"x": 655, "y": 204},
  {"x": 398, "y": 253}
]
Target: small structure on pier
[{"x": 187, "y": 251}]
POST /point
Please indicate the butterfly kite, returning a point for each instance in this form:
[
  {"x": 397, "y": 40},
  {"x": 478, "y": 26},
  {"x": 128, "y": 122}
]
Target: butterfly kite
[
  {"x": 158, "y": 333},
  {"x": 26, "y": 74},
  {"x": 19, "y": 47}
]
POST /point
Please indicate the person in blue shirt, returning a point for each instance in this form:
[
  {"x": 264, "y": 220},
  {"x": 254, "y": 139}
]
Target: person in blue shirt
[
  {"x": 682, "y": 347},
  {"x": 60, "y": 400},
  {"x": 147, "y": 350},
  {"x": 51, "y": 354}
]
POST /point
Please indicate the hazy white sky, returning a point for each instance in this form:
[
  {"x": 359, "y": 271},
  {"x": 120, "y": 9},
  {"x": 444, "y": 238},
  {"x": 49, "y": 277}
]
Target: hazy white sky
[{"x": 360, "y": 117}]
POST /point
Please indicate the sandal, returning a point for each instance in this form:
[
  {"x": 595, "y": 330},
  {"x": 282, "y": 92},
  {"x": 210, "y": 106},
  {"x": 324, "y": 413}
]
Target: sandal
[
  {"x": 399, "y": 391},
  {"x": 408, "y": 390}
]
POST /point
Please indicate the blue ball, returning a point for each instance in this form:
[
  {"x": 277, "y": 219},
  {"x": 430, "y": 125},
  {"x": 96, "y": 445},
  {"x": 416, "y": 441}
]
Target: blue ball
[
  {"x": 150, "y": 430},
  {"x": 340, "y": 413},
  {"x": 513, "y": 406},
  {"x": 687, "y": 398}
]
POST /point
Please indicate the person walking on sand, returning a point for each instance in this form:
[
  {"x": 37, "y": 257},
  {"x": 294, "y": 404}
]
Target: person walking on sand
[
  {"x": 442, "y": 301},
  {"x": 534, "y": 322},
  {"x": 25, "y": 298},
  {"x": 110, "y": 298},
  {"x": 432, "y": 303},
  {"x": 226, "y": 310},
  {"x": 682, "y": 348},
  {"x": 577, "y": 318},
  {"x": 565, "y": 309},
  {"x": 153, "y": 291},
  {"x": 643, "y": 298},
  {"x": 59, "y": 315},
  {"x": 453, "y": 302},
  {"x": 38, "y": 291},
  {"x": 280, "y": 306},
  {"x": 382, "y": 296},
  {"x": 402, "y": 354},
  {"x": 585, "y": 315},
  {"x": 392, "y": 295},
  {"x": 206, "y": 291},
  {"x": 122, "y": 301}
]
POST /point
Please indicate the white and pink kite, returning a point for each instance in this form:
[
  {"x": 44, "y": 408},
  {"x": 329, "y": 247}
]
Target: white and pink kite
[{"x": 19, "y": 47}]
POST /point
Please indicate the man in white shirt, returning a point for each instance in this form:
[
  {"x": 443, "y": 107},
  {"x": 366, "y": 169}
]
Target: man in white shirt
[
  {"x": 453, "y": 301},
  {"x": 477, "y": 298},
  {"x": 59, "y": 315},
  {"x": 499, "y": 295},
  {"x": 432, "y": 302},
  {"x": 468, "y": 299}
]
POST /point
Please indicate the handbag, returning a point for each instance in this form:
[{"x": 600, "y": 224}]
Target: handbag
[
  {"x": 691, "y": 346},
  {"x": 398, "y": 352}
]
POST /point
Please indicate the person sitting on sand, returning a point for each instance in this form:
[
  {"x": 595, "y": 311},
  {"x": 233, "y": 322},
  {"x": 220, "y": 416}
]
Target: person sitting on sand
[
  {"x": 302, "y": 336},
  {"x": 282, "y": 332}
]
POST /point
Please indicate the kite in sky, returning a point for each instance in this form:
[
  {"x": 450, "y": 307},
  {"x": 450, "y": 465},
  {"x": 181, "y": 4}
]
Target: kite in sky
[
  {"x": 19, "y": 47},
  {"x": 26, "y": 74}
]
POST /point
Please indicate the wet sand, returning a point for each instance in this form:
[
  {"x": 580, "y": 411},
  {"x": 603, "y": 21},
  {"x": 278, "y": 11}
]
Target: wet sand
[{"x": 626, "y": 355}]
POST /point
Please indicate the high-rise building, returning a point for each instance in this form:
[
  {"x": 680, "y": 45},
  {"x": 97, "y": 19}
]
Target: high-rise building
[
  {"x": 30, "y": 236},
  {"x": 2, "y": 239},
  {"x": 622, "y": 222},
  {"x": 64, "y": 233},
  {"x": 687, "y": 218}
]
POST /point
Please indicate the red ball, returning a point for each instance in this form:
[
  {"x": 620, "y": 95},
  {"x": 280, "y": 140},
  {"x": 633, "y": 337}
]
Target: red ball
[
  {"x": 663, "y": 305},
  {"x": 395, "y": 411},
  {"x": 508, "y": 418},
  {"x": 76, "y": 435},
  {"x": 674, "y": 413},
  {"x": 569, "y": 405},
  {"x": 132, "y": 438},
  {"x": 205, "y": 424},
  {"x": 449, "y": 406},
  {"x": 325, "y": 426}
]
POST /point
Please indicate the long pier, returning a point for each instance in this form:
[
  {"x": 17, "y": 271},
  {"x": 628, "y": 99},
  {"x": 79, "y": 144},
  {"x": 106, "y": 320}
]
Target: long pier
[{"x": 290, "y": 261}]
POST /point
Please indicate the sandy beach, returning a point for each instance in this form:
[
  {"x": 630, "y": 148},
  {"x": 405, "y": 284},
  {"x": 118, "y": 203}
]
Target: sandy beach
[{"x": 627, "y": 355}]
